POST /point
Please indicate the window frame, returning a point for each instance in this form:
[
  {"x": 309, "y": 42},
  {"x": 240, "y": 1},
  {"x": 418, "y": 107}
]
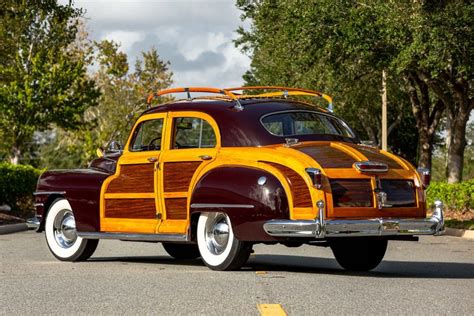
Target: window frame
[{"x": 136, "y": 130}]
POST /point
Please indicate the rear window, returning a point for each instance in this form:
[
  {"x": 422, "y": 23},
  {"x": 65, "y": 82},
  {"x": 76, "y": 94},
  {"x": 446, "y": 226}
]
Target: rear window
[{"x": 305, "y": 123}]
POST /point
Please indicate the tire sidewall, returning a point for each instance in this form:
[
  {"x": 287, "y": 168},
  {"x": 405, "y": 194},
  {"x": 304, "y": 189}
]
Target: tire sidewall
[
  {"x": 66, "y": 254},
  {"x": 223, "y": 260}
]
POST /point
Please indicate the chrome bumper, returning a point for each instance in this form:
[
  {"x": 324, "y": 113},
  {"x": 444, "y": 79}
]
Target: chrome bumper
[
  {"x": 321, "y": 228},
  {"x": 33, "y": 223}
]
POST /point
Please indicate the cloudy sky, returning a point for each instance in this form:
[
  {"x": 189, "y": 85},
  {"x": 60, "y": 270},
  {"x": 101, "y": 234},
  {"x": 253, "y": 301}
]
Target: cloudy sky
[{"x": 195, "y": 36}]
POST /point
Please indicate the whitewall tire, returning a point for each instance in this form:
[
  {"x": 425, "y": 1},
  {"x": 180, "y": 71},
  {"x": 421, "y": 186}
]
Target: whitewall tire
[
  {"x": 61, "y": 234},
  {"x": 219, "y": 248}
]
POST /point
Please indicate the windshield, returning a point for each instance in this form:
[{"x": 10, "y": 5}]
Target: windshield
[{"x": 305, "y": 123}]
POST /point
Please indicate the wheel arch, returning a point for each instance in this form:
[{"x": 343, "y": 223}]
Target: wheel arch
[{"x": 236, "y": 191}]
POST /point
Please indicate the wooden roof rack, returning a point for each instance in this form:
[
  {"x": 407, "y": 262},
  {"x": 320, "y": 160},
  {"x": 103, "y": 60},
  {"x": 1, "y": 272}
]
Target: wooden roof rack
[{"x": 229, "y": 93}]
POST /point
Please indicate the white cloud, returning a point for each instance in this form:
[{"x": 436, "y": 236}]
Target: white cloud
[{"x": 195, "y": 36}]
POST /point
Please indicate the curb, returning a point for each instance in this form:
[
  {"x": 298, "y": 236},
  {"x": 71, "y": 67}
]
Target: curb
[
  {"x": 13, "y": 228},
  {"x": 463, "y": 233}
]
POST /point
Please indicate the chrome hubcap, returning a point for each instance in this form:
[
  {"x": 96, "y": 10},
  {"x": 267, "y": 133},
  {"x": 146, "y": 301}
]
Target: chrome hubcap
[
  {"x": 65, "y": 229},
  {"x": 217, "y": 234}
]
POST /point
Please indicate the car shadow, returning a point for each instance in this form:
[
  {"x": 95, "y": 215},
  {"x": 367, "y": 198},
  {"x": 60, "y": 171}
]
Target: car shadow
[{"x": 301, "y": 264}]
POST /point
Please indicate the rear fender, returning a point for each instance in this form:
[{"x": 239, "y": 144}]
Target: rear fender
[{"x": 249, "y": 196}]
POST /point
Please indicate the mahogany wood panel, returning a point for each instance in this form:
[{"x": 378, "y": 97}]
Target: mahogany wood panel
[
  {"x": 374, "y": 155},
  {"x": 177, "y": 175},
  {"x": 328, "y": 157},
  {"x": 130, "y": 208},
  {"x": 299, "y": 189},
  {"x": 133, "y": 179},
  {"x": 351, "y": 193},
  {"x": 176, "y": 208}
]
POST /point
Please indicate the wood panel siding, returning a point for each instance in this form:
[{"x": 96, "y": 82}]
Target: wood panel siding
[
  {"x": 130, "y": 208},
  {"x": 133, "y": 179},
  {"x": 299, "y": 189},
  {"x": 351, "y": 193},
  {"x": 176, "y": 208},
  {"x": 375, "y": 155},
  {"x": 328, "y": 157},
  {"x": 177, "y": 175}
]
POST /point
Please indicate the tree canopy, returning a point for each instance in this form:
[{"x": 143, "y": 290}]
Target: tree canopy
[
  {"x": 342, "y": 47},
  {"x": 43, "y": 76}
]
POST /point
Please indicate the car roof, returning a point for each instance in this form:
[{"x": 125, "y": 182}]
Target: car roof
[{"x": 240, "y": 128}]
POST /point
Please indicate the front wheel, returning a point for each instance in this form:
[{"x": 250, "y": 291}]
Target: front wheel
[
  {"x": 358, "y": 253},
  {"x": 61, "y": 234},
  {"x": 219, "y": 248}
]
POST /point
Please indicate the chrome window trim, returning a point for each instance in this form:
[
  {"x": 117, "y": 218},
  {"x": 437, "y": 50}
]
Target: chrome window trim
[
  {"x": 344, "y": 123},
  {"x": 49, "y": 192},
  {"x": 217, "y": 205}
]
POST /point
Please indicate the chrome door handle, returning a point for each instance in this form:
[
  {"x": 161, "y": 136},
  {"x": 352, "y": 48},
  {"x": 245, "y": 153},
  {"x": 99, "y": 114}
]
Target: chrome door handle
[
  {"x": 152, "y": 159},
  {"x": 205, "y": 157}
]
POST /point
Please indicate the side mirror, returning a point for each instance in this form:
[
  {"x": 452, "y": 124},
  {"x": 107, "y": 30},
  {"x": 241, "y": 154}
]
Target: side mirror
[{"x": 114, "y": 147}]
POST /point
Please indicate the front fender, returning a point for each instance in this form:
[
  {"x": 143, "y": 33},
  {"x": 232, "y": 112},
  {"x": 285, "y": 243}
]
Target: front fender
[{"x": 237, "y": 191}]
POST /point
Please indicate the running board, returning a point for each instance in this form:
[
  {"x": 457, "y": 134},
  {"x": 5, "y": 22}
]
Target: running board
[{"x": 135, "y": 237}]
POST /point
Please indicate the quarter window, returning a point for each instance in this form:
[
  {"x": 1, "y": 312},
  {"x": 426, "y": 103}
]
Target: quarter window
[
  {"x": 192, "y": 132},
  {"x": 148, "y": 136}
]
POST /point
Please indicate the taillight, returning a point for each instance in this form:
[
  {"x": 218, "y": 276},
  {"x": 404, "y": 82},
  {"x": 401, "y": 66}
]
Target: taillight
[
  {"x": 425, "y": 176},
  {"x": 316, "y": 177},
  {"x": 371, "y": 166}
]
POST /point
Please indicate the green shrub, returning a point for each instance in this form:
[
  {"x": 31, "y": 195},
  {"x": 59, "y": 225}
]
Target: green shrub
[
  {"x": 17, "y": 184},
  {"x": 457, "y": 196}
]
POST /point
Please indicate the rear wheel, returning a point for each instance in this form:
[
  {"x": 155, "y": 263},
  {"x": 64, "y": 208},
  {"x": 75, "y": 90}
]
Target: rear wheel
[
  {"x": 358, "y": 254},
  {"x": 219, "y": 248},
  {"x": 61, "y": 234},
  {"x": 182, "y": 251}
]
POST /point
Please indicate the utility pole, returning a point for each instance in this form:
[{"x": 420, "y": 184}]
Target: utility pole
[{"x": 384, "y": 110}]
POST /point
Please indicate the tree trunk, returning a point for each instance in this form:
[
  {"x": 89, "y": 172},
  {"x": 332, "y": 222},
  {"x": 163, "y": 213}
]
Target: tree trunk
[
  {"x": 426, "y": 120},
  {"x": 458, "y": 143}
]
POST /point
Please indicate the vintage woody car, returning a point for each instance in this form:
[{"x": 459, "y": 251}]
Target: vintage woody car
[{"x": 211, "y": 176}]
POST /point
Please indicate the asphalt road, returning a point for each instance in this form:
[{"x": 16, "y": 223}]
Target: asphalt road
[{"x": 433, "y": 276}]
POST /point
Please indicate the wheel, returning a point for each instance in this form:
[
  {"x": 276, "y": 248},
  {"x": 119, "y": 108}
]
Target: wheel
[
  {"x": 182, "y": 251},
  {"x": 219, "y": 249},
  {"x": 61, "y": 235},
  {"x": 358, "y": 254}
]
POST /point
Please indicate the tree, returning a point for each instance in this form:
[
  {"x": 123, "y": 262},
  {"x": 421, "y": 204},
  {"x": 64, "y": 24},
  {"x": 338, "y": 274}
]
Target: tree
[
  {"x": 43, "y": 77},
  {"x": 123, "y": 95}
]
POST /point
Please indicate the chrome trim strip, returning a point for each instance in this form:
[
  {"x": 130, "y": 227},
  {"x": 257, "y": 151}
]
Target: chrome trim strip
[
  {"x": 33, "y": 223},
  {"x": 49, "y": 192},
  {"x": 320, "y": 228},
  {"x": 369, "y": 163},
  {"x": 38, "y": 204},
  {"x": 134, "y": 237},
  {"x": 216, "y": 205}
]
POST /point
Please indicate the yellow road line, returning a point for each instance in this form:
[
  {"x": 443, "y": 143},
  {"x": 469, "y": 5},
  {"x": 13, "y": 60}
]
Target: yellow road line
[{"x": 271, "y": 310}]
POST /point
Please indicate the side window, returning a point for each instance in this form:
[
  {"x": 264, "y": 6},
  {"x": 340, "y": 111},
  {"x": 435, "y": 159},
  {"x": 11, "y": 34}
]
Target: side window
[
  {"x": 192, "y": 132},
  {"x": 147, "y": 136}
]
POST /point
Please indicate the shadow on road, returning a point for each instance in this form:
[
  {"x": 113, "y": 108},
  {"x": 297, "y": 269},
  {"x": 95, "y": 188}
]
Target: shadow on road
[{"x": 387, "y": 269}]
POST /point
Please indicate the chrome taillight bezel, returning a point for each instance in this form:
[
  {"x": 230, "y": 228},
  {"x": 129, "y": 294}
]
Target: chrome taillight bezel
[
  {"x": 371, "y": 166},
  {"x": 316, "y": 177},
  {"x": 425, "y": 176}
]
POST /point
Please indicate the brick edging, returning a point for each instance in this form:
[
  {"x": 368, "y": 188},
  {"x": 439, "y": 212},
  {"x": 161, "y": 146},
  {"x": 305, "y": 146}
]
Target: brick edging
[{"x": 463, "y": 233}]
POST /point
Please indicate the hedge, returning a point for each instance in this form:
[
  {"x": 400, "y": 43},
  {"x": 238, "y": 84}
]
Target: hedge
[
  {"x": 17, "y": 184},
  {"x": 456, "y": 196}
]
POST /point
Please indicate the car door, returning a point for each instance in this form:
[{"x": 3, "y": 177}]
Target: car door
[
  {"x": 130, "y": 201},
  {"x": 192, "y": 142}
]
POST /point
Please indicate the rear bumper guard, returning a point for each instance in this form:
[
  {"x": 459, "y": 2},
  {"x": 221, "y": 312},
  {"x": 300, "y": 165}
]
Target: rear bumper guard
[{"x": 321, "y": 228}]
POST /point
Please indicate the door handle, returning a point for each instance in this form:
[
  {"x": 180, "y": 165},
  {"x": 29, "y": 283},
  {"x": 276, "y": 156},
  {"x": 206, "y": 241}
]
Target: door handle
[
  {"x": 152, "y": 159},
  {"x": 205, "y": 157}
]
